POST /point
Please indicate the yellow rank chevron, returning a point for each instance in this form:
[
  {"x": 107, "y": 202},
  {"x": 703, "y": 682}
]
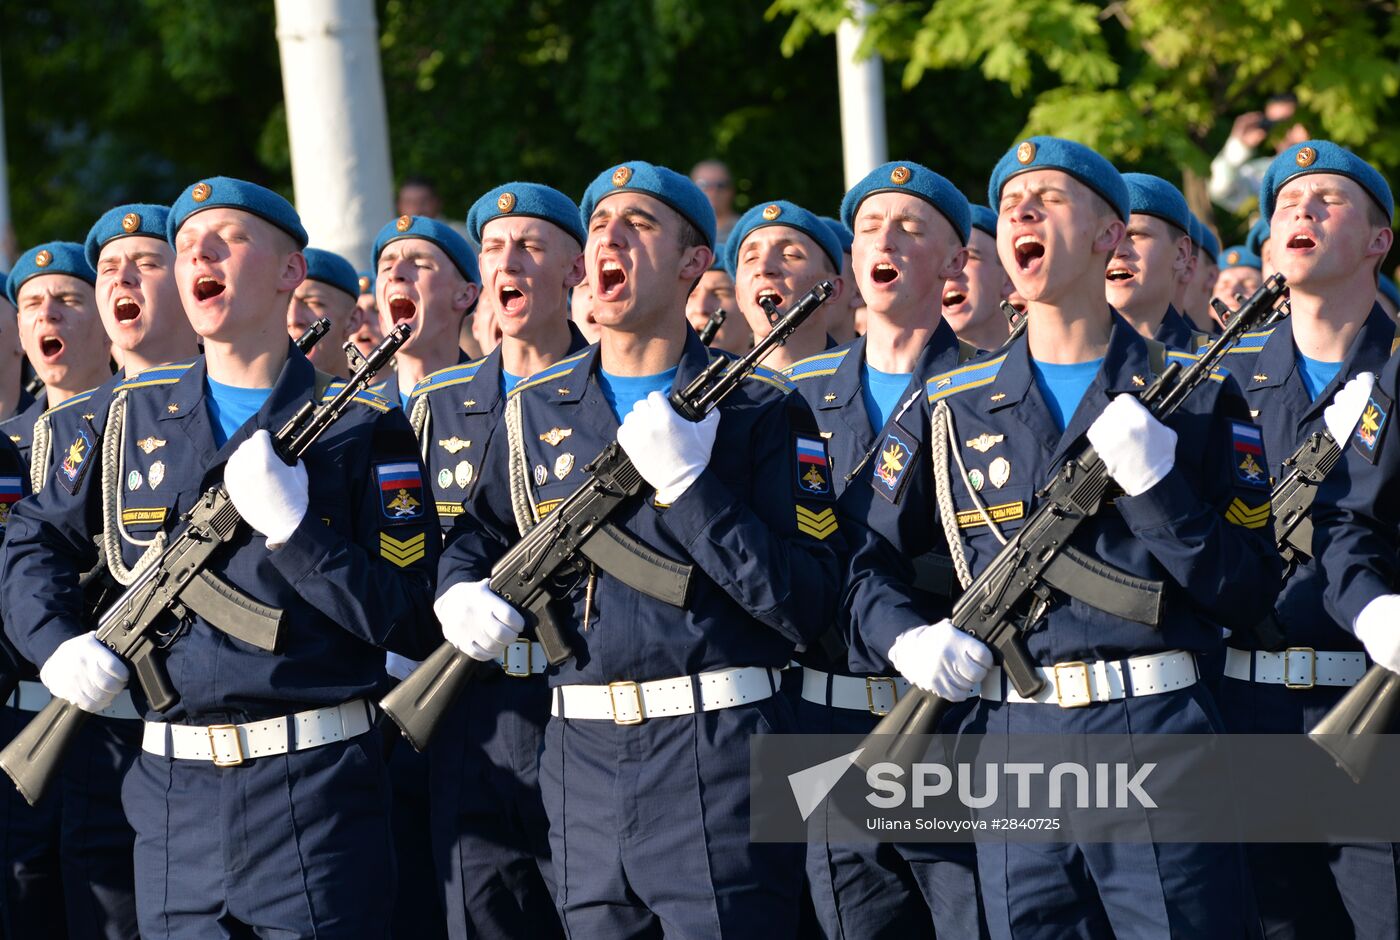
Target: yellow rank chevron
[
  {"x": 402, "y": 553},
  {"x": 1241, "y": 514},
  {"x": 816, "y": 524}
]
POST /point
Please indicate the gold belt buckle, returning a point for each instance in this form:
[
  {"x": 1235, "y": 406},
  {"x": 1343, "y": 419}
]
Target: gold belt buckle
[
  {"x": 1083, "y": 668},
  {"x": 1312, "y": 667},
  {"x": 214, "y": 748},
  {"x": 636, "y": 691},
  {"x": 870, "y": 684},
  {"x": 529, "y": 660}
]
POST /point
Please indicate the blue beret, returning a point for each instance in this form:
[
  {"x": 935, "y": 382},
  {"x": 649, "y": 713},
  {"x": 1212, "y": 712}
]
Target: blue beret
[
  {"x": 330, "y": 268},
  {"x": 530, "y": 199},
  {"x": 1258, "y": 235},
  {"x": 785, "y": 214},
  {"x": 843, "y": 234},
  {"x": 123, "y": 221},
  {"x": 1240, "y": 256},
  {"x": 49, "y": 258},
  {"x": 222, "y": 192},
  {"x": 1054, "y": 153},
  {"x": 916, "y": 180},
  {"x": 366, "y": 282},
  {"x": 985, "y": 219},
  {"x": 1154, "y": 196},
  {"x": 667, "y": 185},
  {"x": 1205, "y": 239},
  {"x": 1389, "y": 290},
  {"x": 1322, "y": 156},
  {"x": 431, "y": 230}
]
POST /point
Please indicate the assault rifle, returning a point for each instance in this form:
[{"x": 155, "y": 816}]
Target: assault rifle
[
  {"x": 1038, "y": 557},
  {"x": 313, "y": 335},
  {"x": 176, "y": 582},
  {"x": 578, "y": 529}
]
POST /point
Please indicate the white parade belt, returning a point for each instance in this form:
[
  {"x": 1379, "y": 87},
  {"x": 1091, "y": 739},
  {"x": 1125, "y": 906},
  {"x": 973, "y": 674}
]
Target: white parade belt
[
  {"x": 31, "y": 696},
  {"x": 231, "y": 745},
  {"x": 1076, "y": 684},
  {"x": 1298, "y": 667},
  {"x": 873, "y": 694},
  {"x": 631, "y": 703}
]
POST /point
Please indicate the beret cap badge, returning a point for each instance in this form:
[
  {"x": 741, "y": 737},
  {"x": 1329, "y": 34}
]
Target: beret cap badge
[
  {"x": 772, "y": 212},
  {"x": 506, "y": 202},
  {"x": 1306, "y": 156},
  {"x": 44, "y": 258},
  {"x": 621, "y": 175},
  {"x": 1026, "y": 152},
  {"x": 364, "y": 284},
  {"x": 130, "y": 222},
  {"x": 403, "y": 224},
  {"x": 1233, "y": 257},
  {"x": 201, "y": 192},
  {"x": 899, "y": 175}
]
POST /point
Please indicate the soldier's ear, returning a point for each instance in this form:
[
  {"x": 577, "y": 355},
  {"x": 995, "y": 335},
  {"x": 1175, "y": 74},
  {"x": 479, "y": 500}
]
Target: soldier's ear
[
  {"x": 695, "y": 262},
  {"x": 955, "y": 264},
  {"x": 462, "y": 301},
  {"x": 1112, "y": 230},
  {"x": 1185, "y": 263},
  {"x": 293, "y": 272},
  {"x": 1381, "y": 240},
  {"x": 577, "y": 272}
]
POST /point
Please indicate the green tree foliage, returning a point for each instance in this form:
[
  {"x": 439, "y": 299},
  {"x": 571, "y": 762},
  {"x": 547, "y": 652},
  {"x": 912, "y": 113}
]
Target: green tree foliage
[{"x": 1154, "y": 84}]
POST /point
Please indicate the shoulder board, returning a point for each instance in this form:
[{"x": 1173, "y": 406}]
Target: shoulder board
[
  {"x": 156, "y": 375},
  {"x": 561, "y": 367},
  {"x": 1186, "y": 359},
  {"x": 776, "y": 379},
  {"x": 75, "y": 400},
  {"x": 452, "y": 375},
  {"x": 960, "y": 380},
  {"x": 365, "y": 397},
  {"x": 1250, "y": 342},
  {"x": 820, "y": 364}
]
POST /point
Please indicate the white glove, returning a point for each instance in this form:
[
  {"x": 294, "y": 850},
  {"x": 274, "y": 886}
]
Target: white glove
[
  {"x": 399, "y": 666},
  {"x": 1341, "y": 416},
  {"x": 265, "y": 491},
  {"x": 669, "y": 452},
  {"x": 84, "y": 672},
  {"x": 1378, "y": 629},
  {"x": 942, "y": 659},
  {"x": 476, "y": 620},
  {"x": 1136, "y": 448}
]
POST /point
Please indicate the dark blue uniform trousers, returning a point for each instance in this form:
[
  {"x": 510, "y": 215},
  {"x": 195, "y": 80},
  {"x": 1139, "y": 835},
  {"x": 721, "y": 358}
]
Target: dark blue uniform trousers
[
  {"x": 1314, "y": 889},
  {"x": 490, "y": 835},
  {"x": 650, "y": 828},
  {"x": 418, "y": 901},
  {"x": 887, "y": 889},
  {"x": 68, "y": 868},
  {"x": 292, "y": 845},
  {"x": 1101, "y": 891}
]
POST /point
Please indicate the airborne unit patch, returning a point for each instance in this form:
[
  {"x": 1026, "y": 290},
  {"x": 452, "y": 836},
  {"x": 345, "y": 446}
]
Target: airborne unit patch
[
  {"x": 1366, "y": 438},
  {"x": 813, "y": 466},
  {"x": 400, "y": 491}
]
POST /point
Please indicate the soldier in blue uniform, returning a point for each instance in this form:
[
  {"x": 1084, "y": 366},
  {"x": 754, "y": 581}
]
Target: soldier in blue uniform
[
  {"x": 1194, "y": 299},
  {"x": 781, "y": 262},
  {"x": 715, "y": 292},
  {"x": 331, "y": 290},
  {"x": 420, "y": 282},
  {"x": 911, "y": 238},
  {"x": 840, "y": 318},
  {"x": 644, "y": 771},
  {"x": 59, "y": 328},
  {"x": 1009, "y": 421},
  {"x": 490, "y": 835},
  {"x": 259, "y": 801},
  {"x": 972, "y": 299},
  {"x": 1241, "y": 273},
  {"x": 1153, "y": 261},
  {"x": 1332, "y": 212}
]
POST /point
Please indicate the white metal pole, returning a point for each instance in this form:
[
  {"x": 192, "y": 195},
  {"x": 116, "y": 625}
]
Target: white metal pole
[
  {"x": 862, "y": 93},
  {"x": 336, "y": 122},
  {"x": 5, "y": 230}
]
